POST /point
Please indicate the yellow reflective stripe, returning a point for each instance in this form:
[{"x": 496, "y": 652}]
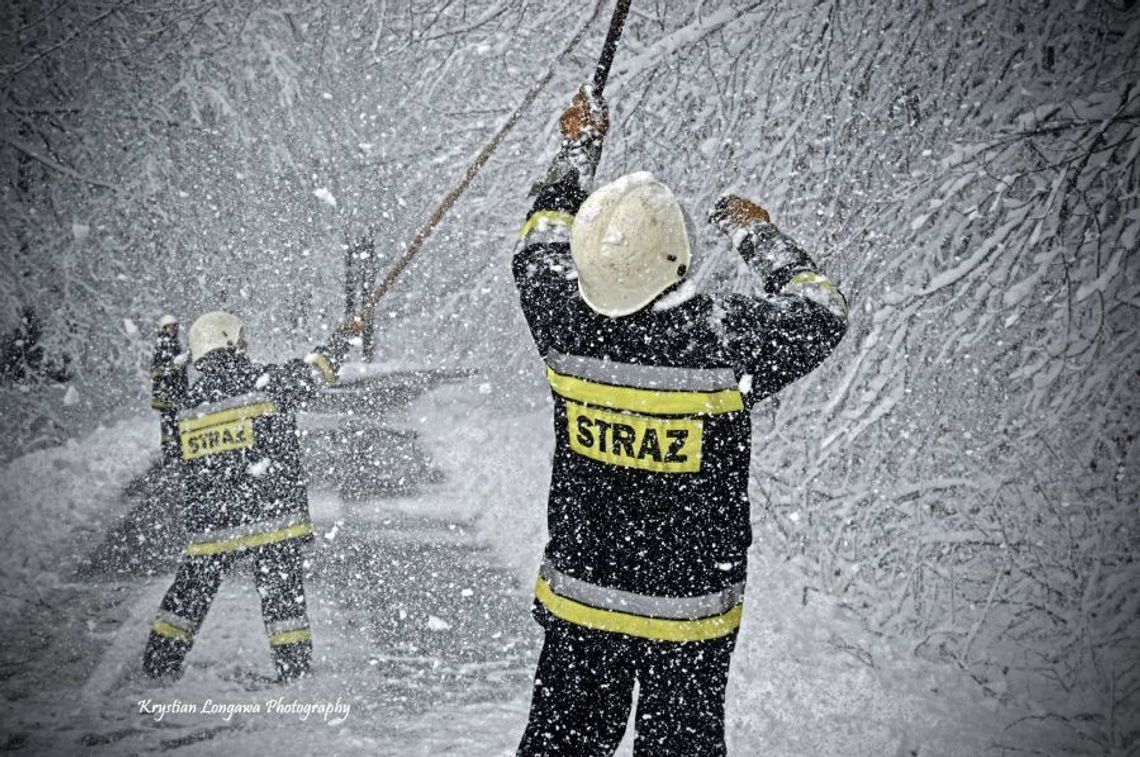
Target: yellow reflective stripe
[
  {"x": 162, "y": 628},
  {"x": 652, "y": 401},
  {"x": 324, "y": 365},
  {"x": 250, "y": 540},
  {"x": 158, "y": 404},
  {"x": 659, "y": 629},
  {"x": 290, "y": 637},
  {"x": 550, "y": 216},
  {"x": 227, "y": 416},
  {"x": 809, "y": 277}
]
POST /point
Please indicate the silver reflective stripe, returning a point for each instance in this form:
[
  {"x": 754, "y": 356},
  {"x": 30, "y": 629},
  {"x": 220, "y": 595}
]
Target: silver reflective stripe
[
  {"x": 177, "y": 621},
  {"x": 241, "y": 400},
  {"x": 260, "y": 527},
  {"x": 673, "y": 608},
  {"x": 642, "y": 376},
  {"x": 289, "y": 624}
]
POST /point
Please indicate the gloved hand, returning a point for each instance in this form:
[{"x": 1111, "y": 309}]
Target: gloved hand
[
  {"x": 732, "y": 212},
  {"x": 583, "y": 125},
  {"x": 587, "y": 116},
  {"x": 352, "y": 326},
  {"x": 337, "y": 348}
]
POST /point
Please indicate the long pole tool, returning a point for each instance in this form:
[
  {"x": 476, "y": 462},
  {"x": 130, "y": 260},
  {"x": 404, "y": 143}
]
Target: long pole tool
[
  {"x": 609, "y": 48},
  {"x": 617, "y": 22}
]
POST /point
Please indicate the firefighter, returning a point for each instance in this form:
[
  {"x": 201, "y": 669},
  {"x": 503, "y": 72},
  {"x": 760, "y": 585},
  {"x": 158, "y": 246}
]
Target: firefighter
[
  {"x": 168, "y": 385},
  {"x": 244, "y": 491},
  {"x": 653, "y": 383}
]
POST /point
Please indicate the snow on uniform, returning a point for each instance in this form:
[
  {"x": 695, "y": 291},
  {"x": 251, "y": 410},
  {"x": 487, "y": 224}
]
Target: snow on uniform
[
  {"x": 648, "y": 509},
  {"x": 168, "y": 390},
  {"x": 648, "y": 512},
  {"x": 245, "y": 491}
]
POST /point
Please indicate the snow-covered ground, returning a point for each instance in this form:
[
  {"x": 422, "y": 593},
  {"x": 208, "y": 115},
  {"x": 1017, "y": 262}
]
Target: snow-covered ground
[{"x": 419, "y": 608}]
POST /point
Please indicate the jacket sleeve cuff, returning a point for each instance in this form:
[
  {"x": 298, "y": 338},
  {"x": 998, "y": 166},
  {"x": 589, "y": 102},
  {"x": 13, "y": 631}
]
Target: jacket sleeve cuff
[
  {"x": 324, "y": 365},
  {"x": 553, "y": 213}
]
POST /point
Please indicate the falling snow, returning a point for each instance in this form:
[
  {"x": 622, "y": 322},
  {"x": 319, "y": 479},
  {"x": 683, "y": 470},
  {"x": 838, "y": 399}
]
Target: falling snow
[{"x": 945, "y": 555}]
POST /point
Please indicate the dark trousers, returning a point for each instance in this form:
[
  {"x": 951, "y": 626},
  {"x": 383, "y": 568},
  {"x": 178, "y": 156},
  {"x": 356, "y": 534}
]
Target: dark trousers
[
  {"x": 583, "y": 691},
  {"x": 277, "y": 571}
]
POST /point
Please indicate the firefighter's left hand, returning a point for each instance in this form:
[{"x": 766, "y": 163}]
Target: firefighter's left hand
[
  {"x": 732, "y": 212},
  {"x": 588, "y": 115}
]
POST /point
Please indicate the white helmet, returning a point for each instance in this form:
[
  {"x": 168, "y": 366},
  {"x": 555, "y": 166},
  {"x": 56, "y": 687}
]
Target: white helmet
[
  {"x": 213, "y": 331},
  {"x": 630, "y": 243}
]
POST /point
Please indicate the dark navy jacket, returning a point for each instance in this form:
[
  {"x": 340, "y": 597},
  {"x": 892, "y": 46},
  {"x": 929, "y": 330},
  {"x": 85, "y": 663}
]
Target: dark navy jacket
[
  {"x": 649, "y": 488},
  {"x": 242, "y": 470}
]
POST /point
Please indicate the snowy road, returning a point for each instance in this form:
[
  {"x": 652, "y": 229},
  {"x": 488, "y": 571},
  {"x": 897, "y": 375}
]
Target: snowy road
[
  {"x": 446, "y": 625},
  {"x": 410, "y": 616},
  {"x": 420, "y": 612}
]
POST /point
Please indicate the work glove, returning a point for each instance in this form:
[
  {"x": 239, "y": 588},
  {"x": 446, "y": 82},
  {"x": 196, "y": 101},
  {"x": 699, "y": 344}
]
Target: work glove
[
  {"x": 583, "y": 124},
  {"x": 757, "y": 240},
  {"x": 732, "y": 212},
  {"x": 588, "y": 116},
  {"x": 352, "y": 327}
]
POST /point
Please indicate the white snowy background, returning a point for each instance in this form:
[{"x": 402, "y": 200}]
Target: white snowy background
[{"x": 946, "y": 559}]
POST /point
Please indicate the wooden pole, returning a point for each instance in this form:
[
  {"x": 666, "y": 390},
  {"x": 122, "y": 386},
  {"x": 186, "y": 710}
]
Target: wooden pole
[{"x": 449, "y": 199}]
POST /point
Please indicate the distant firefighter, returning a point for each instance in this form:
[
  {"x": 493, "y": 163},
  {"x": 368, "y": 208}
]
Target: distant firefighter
[
  {"x": 244, "y": 490},
  {"x": 22, "y": 357},
  {"x": 168, "y": 385}
]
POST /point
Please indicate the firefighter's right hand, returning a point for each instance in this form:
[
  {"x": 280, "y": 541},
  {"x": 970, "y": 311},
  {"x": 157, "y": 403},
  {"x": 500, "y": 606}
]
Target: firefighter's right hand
[
  {"x": 352, "y": 326},
  {"x": 733, "y": 212},
  {"x": 588, "y": 116},
  {"x": 341, "y": 338}
]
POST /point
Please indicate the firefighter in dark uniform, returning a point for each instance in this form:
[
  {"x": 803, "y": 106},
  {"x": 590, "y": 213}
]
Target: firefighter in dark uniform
[
  {"x": 168, "y": 385},
  {"x": 653, "y": 385},
  {"x": 244, "y": 491}
]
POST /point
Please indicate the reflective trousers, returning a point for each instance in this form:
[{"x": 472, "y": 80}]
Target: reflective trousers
[
  {"x": 277, "y": 571},
  {"x": 583, "y": 692}
]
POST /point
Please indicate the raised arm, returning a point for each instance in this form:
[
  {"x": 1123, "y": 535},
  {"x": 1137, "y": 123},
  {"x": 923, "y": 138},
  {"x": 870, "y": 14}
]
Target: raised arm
[
  {"x": 296, "y": 381},
  {"x": 543, "y": 270},
  {"x": 167, "y": 368},
  {"x": 794, "y": 326}
]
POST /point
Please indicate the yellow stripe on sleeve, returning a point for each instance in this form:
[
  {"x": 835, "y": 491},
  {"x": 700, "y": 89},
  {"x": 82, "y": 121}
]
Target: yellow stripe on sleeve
[
  {"x": 324, "y": 365},
  {"x": 162, "y": 628},
  {"x": 556, "y": 217}
]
